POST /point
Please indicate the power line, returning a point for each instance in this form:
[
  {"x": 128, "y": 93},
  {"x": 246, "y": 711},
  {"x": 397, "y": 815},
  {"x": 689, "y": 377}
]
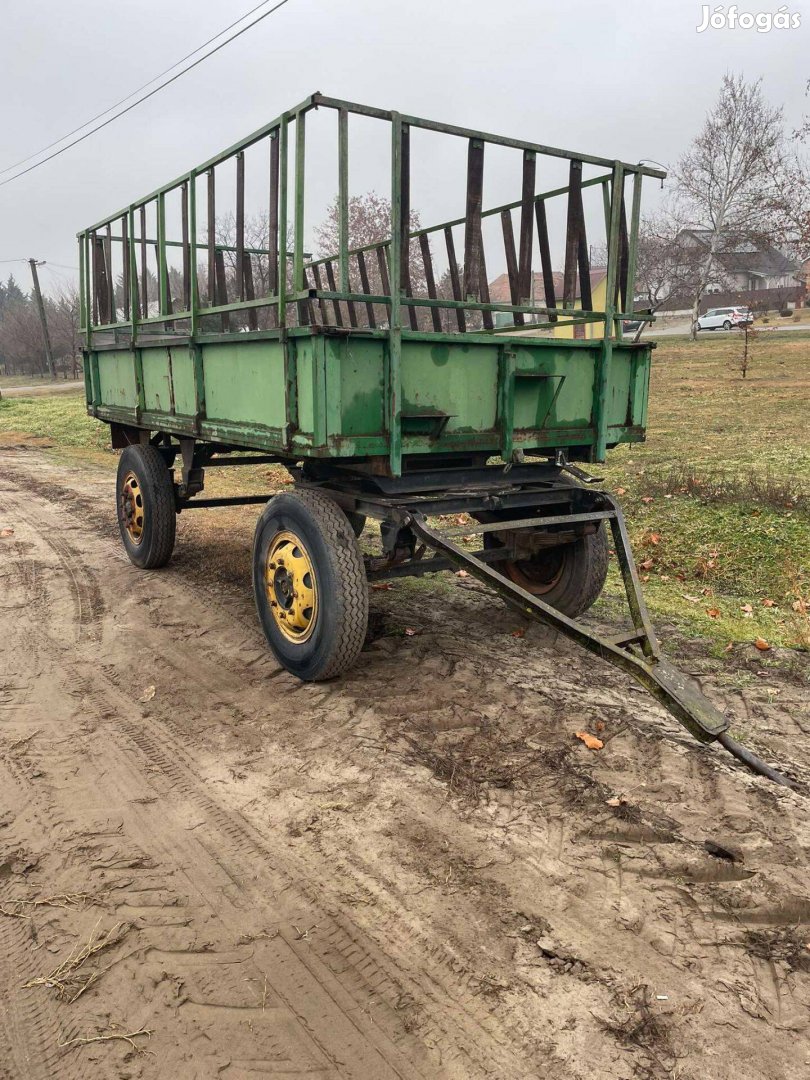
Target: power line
[
  {"x": 145, "y": 97},
  {"x": 137, "y": 90}
]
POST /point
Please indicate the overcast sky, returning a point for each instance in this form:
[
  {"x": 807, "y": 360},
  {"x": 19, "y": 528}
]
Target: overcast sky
[{"x": 630, "y": 80}]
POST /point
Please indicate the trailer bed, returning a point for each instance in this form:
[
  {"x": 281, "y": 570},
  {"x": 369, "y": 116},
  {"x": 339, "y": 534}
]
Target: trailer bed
[{"x": 323, "y": 394}]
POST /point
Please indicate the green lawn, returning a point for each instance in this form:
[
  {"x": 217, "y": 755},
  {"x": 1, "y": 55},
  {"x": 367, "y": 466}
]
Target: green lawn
[{"x": 716, "y": 499}]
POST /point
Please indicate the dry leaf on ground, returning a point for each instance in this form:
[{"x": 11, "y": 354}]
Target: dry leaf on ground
[
  {"x": 410, "y": 632},
  {"x": 590, "y": 741},
  {"x": 6, "y": 532},
  {"x": 462, "y": 573},
  {"x": 768, "y": 603},
  {"x": 712, "y": 612},
  {"x": 382, "y": 586},
  {"x": 520, "y": 632},
  {"x": 148, "y": 694},
  {"x": 761, "y": 644}
]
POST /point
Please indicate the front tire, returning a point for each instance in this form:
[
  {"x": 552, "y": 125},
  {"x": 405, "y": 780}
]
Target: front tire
[
  {"x": 310, "y": 585},
  {"x": 147, "y": 518}
]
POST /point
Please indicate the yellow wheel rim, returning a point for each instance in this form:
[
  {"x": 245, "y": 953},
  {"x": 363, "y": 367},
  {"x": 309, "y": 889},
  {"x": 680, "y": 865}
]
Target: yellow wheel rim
[
  {"x": 292, "y": 591},
  {"x": 132, "y": 507}
]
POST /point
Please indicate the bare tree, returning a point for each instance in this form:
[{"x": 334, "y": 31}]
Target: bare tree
[
  {"x": 21, "y": 340},
  {"x": 370, "y": 224},
  {"x": 727, "y": 179},
  {"x": 666, "y": 268},
  {"x": 64, "y": 320},
  {"x": 743, "y": 360},
  {"x": 792, "y": 204}
]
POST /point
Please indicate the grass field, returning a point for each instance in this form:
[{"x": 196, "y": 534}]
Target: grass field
[{"x": 717, "y": 499}]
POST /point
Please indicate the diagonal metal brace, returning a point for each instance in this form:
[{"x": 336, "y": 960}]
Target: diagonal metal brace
[{"x": 675, "y": 690}]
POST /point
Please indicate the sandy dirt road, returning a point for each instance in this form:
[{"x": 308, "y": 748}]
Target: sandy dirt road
[{"x": 415, "y": 871}]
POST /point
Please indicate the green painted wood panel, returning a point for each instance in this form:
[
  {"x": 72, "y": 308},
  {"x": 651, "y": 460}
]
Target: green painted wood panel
[
  {"x": 116, "y": 377},
  {"x": 244, "y": 382},
  {"x": 458, "y": 380},
  {"x": 183, "y": 375},
  {"x": 157, "y": 382}
]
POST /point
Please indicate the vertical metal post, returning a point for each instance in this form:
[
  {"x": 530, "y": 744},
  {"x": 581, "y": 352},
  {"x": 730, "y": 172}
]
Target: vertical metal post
[
  {"x": 137, "y": 355},
  {"x": 526, "y": 227},
  {"x": 125, "y": 272},
  {"x": 212, "y": 240},
  {"x": 282, "y": 223},
  {"x": 144, "y": 267},
  {"x": 133, "y": 277},
  {"x": 572, "y": 234},
  {"x": 82, "y": 286},
  {"x": 549, "y": 292},
  {"x": 430, "y": 281},
  {"x": 272, "y": 226},
  {"x": 186, "y": 246},
  {"x": 194, "y": 287},
  {"x": 364, "y": 284},
  {"x": 110, "y": 312},
  {"x": 473, "y": 238},
  {"x": 602, "y": 373},
  {"x": 343, "y": 199},
  {"x": 298, "y": 234},
  {"x": 240, "y": 224},
  {"x": 455, "y": 277},
  {"x": 635, "y": 216},
  {"x": 405, "y": 226},
  {"x": 163, "y": 270},
  {"x": 394, "y": 416},
  {"x": 512, "y": 267}
]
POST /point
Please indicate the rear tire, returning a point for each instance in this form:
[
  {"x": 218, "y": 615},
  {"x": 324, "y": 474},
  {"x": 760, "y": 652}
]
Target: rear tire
[
  {"x": 568, "y": 577},
  {"x": 310, "y": 585},
  {"x": 147, "y": 518},
  {"x": 726, "y": 325}
]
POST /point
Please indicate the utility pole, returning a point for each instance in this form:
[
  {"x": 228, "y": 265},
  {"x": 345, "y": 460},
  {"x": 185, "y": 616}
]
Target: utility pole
[{"x": 41, "y": 308}]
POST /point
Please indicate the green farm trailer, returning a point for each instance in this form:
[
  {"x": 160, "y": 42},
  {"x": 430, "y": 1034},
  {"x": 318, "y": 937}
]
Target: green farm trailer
[{"x": 384, "y": 376}]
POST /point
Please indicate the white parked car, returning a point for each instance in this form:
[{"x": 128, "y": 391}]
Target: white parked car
[{"x": 725, "y": 318}]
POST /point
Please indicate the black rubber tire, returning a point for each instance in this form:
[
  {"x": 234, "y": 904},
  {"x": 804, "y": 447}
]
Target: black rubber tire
[
  {"x": 342, "y": 619},
  {"x": 156, "y": 544},
  {"x": 581, "y": 577},
  {"x": 727, "y": 325}
]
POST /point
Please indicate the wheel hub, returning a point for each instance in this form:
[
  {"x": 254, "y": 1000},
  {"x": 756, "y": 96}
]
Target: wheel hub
[
  {"x": 291, "y": 587},
  {"x": 132, "y": 507}
]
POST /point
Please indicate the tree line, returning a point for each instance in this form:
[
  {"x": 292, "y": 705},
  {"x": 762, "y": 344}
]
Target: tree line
[{"x": 22, "y": 351}]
